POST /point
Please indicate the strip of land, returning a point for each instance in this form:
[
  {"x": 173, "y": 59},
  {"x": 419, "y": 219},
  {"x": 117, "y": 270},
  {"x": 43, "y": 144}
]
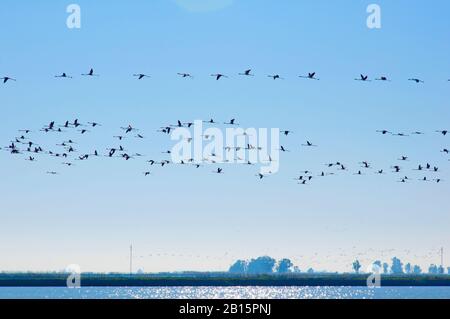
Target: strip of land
[{"x": 215, "y": 279}]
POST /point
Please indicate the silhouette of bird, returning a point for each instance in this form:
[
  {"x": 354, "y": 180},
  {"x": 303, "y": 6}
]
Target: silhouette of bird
[
  {"x": 231, "y": 122},
  {"x": 309, "y": 144},
  {"x": 445, "y": 132},
  {"x": 396, "y": 168},
  {"x": 7, "y": 78},
  {"x": 283, "y": 149},
  {"x": 91, "y": 73},
  {"x": 211, "y": 121},
  {"x": 185, "y": 75},
  {"x": 416, "y": 80},
  {"x": 400, "y": 134},
  {"x": 275, "y": 77},
  {"x": 247, "y": 73},
  {"x": 363, "y": 78},
  {"x": 219, "y": 171},
  {"x": 219, "y": 75},
  {"x": 129, "y": 129},
  {"x": 64, "y": 75},
  {"x": 384, "y": 132},
  {"x": 165, "y": 130},
  {"x": 365, "y": 164},
  {"x": 140, "y": 76},
  {"x": 286, "y": 132},
  {"x": 445, "y": 151},
  {"x": 310, "y": 76},
  {"x": 383, "y": 78},
  {"x": 146, "y": 173}
]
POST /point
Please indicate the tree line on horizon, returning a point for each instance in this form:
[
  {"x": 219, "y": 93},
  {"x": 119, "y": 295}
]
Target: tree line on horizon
[
  {"x": 398, "y": 268},
  {"x": 269, "y": 265}
]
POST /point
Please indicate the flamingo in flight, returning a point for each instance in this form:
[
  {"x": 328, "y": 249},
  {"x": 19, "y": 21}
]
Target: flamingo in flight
[
  {"x": 64, "y": 75},
  {"x": 211, "y": 121},
  {"x": 247, "y": 73},
  {"x": 91, "y": 73},
  {"x": 6, "y": 79},
  {"x": 140, "y": 76},
  {"x": 129, "y": 129},
  {"x": 275, "y": 77},
  {"x": 232, "y": 122},
  {"x": 363, "y": 78},
  {"x": 309, "y": 144},
  {"x": 310, "y": 76},
  {"x": 185, "y": 75},
  {"x": 416, "y": 80},
  {"x": 218, "y": 76}
]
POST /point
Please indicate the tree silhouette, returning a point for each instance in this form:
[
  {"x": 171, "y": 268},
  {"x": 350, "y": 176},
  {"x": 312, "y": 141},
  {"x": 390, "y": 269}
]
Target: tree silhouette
[
  {"x": 239, "y": 267},
  {"x": 284, "y": 266},
  {"x": 356, "y": 266},
  {"x": 397, "y": 266},
  {"x": 261, "y": 265}
]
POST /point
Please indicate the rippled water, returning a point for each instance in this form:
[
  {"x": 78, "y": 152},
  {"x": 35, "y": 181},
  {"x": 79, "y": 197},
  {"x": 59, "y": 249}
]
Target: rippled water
[{"x": 225, "y": 292}]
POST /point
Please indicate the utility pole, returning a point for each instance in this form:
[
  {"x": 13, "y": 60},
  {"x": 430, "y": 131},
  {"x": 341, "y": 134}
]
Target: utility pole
[{"x": 131, "y": 260}]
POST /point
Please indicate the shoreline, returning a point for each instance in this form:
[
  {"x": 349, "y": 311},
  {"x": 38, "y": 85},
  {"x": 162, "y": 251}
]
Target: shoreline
[{"x": 219, "y": 280}]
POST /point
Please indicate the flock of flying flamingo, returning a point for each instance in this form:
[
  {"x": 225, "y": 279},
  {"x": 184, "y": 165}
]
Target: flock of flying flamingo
[
  {"x": 218, "y": 76},
  {"x": 68, "y": 153}
]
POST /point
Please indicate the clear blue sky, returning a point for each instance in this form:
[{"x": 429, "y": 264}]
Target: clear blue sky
[{"x": 89, "y": 214}]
